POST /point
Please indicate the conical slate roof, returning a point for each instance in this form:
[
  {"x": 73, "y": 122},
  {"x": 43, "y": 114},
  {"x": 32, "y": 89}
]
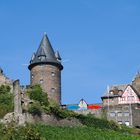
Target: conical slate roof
[{"x": 45, "y": 54}]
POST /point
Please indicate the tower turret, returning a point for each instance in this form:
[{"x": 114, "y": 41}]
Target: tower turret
[{"x": 45, "y": 69}]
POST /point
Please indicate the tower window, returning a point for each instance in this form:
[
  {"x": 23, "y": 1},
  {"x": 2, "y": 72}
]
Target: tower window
[
  {"x": 53, "y": 74},
  {"x": 41, "y": 81},
  {"x": 53, "y": 90},
  {"x": 32, "y": 76}
]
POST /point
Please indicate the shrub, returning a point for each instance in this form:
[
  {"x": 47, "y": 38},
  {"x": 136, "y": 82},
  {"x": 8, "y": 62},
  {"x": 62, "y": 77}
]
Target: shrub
[
  {"x": 4, "y": 89},
  {"x": 92, "y": 121},
  {"x": 62, "y": 113},
  {"x": 36, "y": 93},
  {"x": 6, "y": 100},
  {"x": 13, "y": 132},
  {"x": 35, "y": 109}
]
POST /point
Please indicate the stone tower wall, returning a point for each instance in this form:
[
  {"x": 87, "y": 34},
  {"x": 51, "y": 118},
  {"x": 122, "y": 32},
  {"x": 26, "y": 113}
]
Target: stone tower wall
[{"x": 49, "y": 77}]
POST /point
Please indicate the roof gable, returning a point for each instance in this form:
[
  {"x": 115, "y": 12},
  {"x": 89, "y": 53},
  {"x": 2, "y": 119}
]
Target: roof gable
[
  {"x": 82, "y": 104},
  {"x": 129, "y": 91}
]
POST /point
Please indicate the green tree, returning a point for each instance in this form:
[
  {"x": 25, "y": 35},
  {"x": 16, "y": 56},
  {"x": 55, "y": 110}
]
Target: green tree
[
  {"x": 40, "y": 100},
  {"x": 6, "y": 100},
  {"x": 36, "y": 93}
]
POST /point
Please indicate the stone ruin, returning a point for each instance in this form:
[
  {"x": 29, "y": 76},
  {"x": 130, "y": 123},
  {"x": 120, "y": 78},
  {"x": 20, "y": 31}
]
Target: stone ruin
[{"x": 21, "y": 100}]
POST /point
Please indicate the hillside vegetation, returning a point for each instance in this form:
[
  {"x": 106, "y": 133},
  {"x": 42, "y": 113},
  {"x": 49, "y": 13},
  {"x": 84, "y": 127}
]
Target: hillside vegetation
[
  {"x": 6, "y": 101},
  {"x": 43, "y": 132}
]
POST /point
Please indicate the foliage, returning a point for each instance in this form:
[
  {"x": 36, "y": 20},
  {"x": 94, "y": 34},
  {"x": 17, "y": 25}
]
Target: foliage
[
  {"x": 40, "y": 100},
  {"x": 4, "y": 89},
  {"x": 104, "y": 113},
  {"x": 92, "y": 121},
  {"x": 43, "y": 132},
  {"x": 61, "y": 113},
  {"x": 35, "y": 109},
  {"x": 82, "y": 133},
  {"x": 36, "y": 93},
  {"x": 6, "y": 100},
  {"x": 13, "y": 132}
]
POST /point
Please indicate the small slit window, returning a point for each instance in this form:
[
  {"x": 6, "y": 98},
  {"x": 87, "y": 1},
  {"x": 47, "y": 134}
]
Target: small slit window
[
  {"x": 53, "y": 90},
  {"x": 53, "y": 74},
  {"x": 32, "y": 76},
  {"x": 41, "y": 81}
]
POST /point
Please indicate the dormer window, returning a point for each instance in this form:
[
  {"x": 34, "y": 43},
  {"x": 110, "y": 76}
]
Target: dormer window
[
  {"x": 111, "y": 92},
  {"x": 43, "y": 58},
  {"x": 39, "y": 57}
]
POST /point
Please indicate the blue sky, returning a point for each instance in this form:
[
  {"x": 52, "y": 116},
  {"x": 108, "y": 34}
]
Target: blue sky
[{"x": 99, "y": 41}]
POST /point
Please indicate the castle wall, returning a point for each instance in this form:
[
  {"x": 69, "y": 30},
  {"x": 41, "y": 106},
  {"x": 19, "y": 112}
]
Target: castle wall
[
  {"x": 5, "y": 81},
  {"x": 17, "y": 98},
  {"x": 95, "y": 112},
  {"x": 49, "y": 77}
]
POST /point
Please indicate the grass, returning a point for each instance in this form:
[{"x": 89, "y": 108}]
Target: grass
[
  {"x": 82, "y": 133},
  {"x": 44, "y": 132}
]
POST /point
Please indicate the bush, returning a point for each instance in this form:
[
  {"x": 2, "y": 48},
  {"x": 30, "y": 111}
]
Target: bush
[
  {"x": 92, "y": 121},
  {"x": 13, "y": 132},
  {"x": 36, "y": 93},
  {"x": 62, "y": 113},
  {"x": 35, "y": 109},
  {"x": 4, "y": 89},
  {"x": 6, "y": 101}
]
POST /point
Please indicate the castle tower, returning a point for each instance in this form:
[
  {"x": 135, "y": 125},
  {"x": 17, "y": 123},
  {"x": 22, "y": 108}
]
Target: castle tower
[{"x": 45, "y": 69}]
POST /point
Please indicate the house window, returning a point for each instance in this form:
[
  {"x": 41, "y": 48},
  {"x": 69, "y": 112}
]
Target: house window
[
  {"x": 130, "y": 98},
  {"x": 126, "y": 107},
  {"x": 126, "y": 114},
  {"x": 41, "y": 81},
  {"x": 111, "y": 92},
  {"x": 119, "y": 114},
  {"x": 112, "y": 114},
  {"x": 120, "y": 122},
  {"x": 127, "y": 123}
]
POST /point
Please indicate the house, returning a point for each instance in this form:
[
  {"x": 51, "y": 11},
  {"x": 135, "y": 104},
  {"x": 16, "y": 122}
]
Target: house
[{"x": 122, "y": 103}]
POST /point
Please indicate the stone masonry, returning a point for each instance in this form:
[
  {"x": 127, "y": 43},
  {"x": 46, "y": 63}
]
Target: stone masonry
[{"x": 49, "y": 77}]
